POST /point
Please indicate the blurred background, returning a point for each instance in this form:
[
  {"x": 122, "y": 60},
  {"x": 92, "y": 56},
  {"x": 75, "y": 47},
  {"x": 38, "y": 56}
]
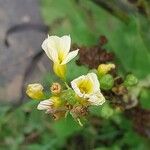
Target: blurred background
[{"x": 24, "y": 24}]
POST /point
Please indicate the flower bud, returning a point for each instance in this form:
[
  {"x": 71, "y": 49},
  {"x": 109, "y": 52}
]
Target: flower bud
[
  {"x": 55, "y": 88},
  {"x": 105, "y": 68},
  {"x": 130, "y": 80},
  {"x": 106, "y": 82},
  {"x": 35, "y": 91}
]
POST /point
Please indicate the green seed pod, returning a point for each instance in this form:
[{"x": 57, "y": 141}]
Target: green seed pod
[
  {"x": 130, "y": 80},
  {"x": 69, "y": 96},
  {"x": 106, "y": 82}
]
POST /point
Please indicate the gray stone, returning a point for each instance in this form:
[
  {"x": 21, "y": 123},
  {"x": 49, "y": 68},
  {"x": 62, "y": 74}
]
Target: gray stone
[{"x": 23, "y": 45}]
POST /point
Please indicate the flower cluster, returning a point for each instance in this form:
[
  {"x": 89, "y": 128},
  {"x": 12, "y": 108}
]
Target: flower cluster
[{"x": 77, "y": 96}]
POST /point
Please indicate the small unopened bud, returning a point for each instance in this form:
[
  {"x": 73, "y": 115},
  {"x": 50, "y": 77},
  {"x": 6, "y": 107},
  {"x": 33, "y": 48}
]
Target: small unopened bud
[
  {"x": 130, "y": 80},
  {"x": 106, "y": 82},
  {"x": 105, "y": 68},
  {"x": 55, "y": 88},
  {"x": 35, "y": 91}
]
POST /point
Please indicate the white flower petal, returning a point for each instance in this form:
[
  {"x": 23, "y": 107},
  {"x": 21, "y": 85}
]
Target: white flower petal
[
  {"x": 45, "y": 105},
  {"x": 94, "y": 79},
  {"x": 57, "y": 49},
  {"x": 45, "y": 48},
  {"x": 50, "y": 46},
  {"x": 75, "y": 86},
  {"x": 97, "y": 99},
  {"x": 70, "y": 56},
  {"x": 65, "y": 43}
]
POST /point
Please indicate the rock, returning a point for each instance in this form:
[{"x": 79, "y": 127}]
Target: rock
[{"x": 23, "y": 45}]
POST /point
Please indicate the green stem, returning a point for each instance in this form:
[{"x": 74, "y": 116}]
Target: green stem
[{"x": 67, "y": 86}]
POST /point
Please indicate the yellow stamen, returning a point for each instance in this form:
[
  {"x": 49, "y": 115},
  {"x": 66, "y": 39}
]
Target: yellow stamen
[{"x": 85, "y": 86}]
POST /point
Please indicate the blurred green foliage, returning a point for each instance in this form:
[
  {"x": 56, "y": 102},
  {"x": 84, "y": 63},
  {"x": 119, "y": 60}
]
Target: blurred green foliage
[
  {"x": 85, "y": 22},
  {"x": 29, "y": 129},
  {"x": 26, "y": 128}
]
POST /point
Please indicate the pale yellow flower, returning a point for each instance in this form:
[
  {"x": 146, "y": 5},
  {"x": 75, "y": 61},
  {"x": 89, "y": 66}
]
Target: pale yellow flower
[
  {"x": 57, "y": 49},
  {"x": 35, "y": 91},
  {"x": 88, "y": 87}
]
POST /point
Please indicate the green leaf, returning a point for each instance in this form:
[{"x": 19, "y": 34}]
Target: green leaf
[
  {"x": 74, "y": 71},
  {"x": 104, "y": 111},
  {"x": 66, "y": 127},
  {"x": 145, "y": 98}
]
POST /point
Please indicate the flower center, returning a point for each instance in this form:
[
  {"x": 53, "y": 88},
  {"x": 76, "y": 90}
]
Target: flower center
[{"x": 85, "y": 86}]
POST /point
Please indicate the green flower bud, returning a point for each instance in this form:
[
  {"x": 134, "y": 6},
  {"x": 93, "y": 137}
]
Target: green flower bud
[
  {"x": 69, "y": 96},
  {"x": 106, "y": 82},
  {"x": 130, "y": 80}
]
